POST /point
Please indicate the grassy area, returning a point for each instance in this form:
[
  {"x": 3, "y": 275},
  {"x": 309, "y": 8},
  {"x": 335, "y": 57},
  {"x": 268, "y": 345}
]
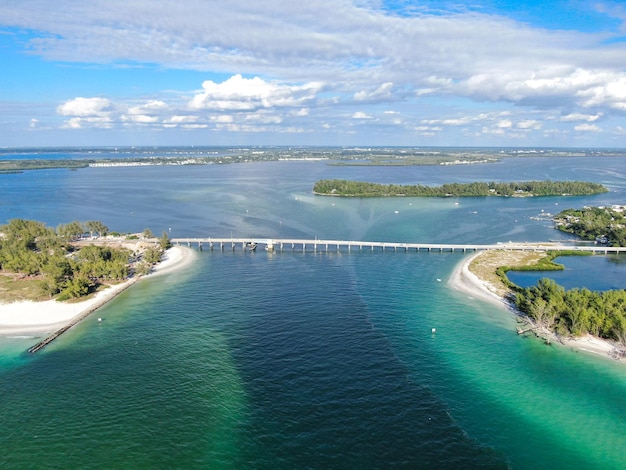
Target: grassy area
[
  {"x": 492, "y": 266},
  {"x": 15, "y": 289},
  {"x": 485, "y": 266}
]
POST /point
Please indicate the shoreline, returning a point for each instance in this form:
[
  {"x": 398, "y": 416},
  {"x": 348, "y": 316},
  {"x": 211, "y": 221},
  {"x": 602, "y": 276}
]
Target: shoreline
[
  {"x": 28, "y": 317},
  {"x": 463, "y": 280}
]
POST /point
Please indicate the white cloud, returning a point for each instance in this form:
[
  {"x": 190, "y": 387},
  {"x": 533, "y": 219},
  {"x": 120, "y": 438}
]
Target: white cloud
[
  {"x": 328, "y": 62},
  {"x": 529, "y": 124},
  {"x": 83, "y": 122},
  {"x": 581, "y": 117},
  {"x": 243, "y": 94},
  {"x": 178, "y": 119},
  {"x": 141, "y": 118},
  {"x": 587, "y": 128},
  {"x": 505, "y": 124},
  {"x": 225, "y": 118},
  {"x": 85, "y": 107},
  {"x": 149, "y": 107},
  {"x": 382, "y": 93}
]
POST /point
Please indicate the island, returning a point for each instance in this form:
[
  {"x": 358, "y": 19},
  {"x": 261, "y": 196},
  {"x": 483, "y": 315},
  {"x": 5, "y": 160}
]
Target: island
[{"x": 345, "y": 188}]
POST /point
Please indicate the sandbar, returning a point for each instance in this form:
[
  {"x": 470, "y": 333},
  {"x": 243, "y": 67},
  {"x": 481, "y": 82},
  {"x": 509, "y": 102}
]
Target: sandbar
[
  {"x": 37, "y": 317},
  {"x": 464, "y": 280}
]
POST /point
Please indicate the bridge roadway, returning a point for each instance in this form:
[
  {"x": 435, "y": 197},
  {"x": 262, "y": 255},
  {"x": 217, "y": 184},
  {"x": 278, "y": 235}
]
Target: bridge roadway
[{"x": 295, "y": 244}]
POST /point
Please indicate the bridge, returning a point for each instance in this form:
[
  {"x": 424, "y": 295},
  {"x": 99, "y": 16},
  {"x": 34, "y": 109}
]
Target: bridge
[{"x": 304, "y": 245}]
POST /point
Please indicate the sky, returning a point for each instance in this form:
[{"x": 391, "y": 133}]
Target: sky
[{"x": 322, "y": 72}]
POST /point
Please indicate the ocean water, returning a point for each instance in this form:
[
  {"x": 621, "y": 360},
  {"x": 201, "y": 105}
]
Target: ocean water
[{"x": 306, "y": 360}]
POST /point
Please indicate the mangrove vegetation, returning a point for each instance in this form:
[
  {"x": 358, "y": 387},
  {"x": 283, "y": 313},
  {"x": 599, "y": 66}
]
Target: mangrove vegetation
[{"x": 345, "y": 188}]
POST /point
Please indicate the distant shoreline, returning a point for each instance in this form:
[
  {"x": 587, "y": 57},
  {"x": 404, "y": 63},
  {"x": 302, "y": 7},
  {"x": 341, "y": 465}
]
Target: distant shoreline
[
  {"x": 463, "y": 280},
  {"x": 27, "y": 317}
]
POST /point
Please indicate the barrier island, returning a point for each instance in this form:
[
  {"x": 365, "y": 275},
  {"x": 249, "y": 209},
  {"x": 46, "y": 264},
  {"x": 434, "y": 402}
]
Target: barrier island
[{"x": 345, "y": 188}]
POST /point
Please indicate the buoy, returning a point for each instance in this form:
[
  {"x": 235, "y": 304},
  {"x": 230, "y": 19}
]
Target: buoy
[
  {"x": 99, "y": 319},
  {"x": 434, "y": 330}
]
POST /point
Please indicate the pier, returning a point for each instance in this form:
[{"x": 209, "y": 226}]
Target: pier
[{"x": 316, "y": 245}]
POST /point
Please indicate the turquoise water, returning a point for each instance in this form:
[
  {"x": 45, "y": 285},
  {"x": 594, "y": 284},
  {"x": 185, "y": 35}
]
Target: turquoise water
[{"x": 314, "y": 360}]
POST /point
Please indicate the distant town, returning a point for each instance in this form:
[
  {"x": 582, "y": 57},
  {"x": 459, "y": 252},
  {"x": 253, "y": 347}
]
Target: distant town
[{"x": 22, "y": 159}]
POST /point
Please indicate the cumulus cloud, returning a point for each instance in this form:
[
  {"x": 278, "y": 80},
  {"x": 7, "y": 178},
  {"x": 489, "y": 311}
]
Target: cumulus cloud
[
  {"x": 247, "y": 94},
  {"x": 87, "y": 112},
  {"x": 529, "y": 124},
  {"x": 85, "y": 107}
]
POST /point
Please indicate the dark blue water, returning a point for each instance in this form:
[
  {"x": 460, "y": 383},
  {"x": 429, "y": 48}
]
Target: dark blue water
[{"x": 315, "y": 360}]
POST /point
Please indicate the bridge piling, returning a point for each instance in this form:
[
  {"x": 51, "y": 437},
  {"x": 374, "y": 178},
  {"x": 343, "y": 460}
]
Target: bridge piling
[{"x": 346, "y": 245}]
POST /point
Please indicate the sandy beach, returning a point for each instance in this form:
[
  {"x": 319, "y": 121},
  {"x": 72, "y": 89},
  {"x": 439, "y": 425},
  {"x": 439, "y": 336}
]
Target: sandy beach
[
  {"x": 464, "y": 280},
  {"x": 35, "y": 317}
]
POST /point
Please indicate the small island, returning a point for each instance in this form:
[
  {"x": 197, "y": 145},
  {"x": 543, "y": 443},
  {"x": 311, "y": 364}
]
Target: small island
[{"x": 345, "y": 188}]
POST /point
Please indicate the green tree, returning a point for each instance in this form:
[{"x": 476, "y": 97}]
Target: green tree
[
  {"x": 152, "y": 255},
  {"x": 76, "y": 287},
  {"x": 70, "y": 232},
  {"x": 164, "y": 241},
  {"x": 95, "y": 226}
]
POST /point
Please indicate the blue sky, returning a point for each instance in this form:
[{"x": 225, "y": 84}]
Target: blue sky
[{"x": 324, "y": 72}]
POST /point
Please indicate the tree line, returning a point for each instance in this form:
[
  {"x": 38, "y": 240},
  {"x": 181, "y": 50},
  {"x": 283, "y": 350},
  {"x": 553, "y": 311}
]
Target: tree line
[
  {"x": 575, "y": 311},
  {"x": 337, "y": 187},
  {"x": 572, "y": 312},
  {"x": 52, "y": 257}
]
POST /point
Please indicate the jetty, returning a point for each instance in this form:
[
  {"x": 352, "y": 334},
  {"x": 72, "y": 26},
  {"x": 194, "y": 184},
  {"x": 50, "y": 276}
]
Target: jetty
[
  {"x": 316, "y": 245},
  {"x": 49, "y": 339}
]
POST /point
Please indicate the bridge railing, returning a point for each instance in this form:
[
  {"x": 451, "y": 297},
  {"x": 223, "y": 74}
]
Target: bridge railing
[{"x": 283, "y": 244}]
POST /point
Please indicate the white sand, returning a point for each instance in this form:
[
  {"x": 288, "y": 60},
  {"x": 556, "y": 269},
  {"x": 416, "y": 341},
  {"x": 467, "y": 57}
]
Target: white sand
[
  {"x": 465, "y": 281},
  {"x": 28, "y": 316},
  {"x": 175, "y": 258}
]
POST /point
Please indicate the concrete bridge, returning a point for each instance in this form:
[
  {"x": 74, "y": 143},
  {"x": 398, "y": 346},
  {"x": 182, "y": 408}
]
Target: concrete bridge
[{"x": 303, "y": 245}]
